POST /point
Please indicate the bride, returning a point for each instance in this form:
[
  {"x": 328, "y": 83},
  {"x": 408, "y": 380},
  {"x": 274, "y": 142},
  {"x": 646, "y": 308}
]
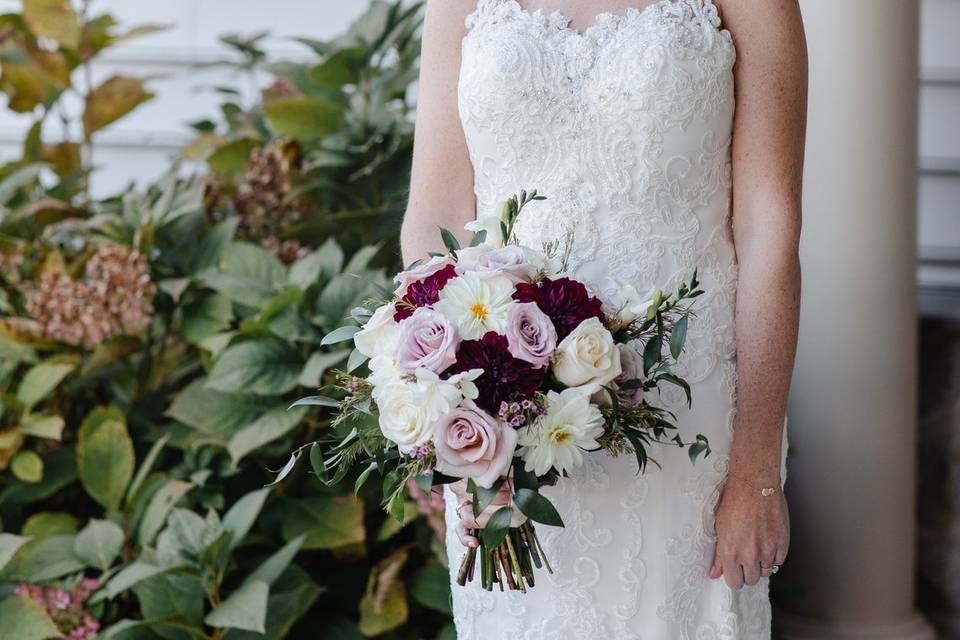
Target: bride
[{"x": 622, "y": 113}]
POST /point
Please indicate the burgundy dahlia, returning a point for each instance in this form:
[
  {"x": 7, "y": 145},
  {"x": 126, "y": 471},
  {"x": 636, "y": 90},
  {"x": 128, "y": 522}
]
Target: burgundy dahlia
[
  {"x": 504, "y": 377},
  {"x": 566, "y": 302},
  {"x": 424, "y": 293}
]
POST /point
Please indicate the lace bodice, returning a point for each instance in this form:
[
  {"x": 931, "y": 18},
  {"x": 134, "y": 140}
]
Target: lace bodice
[{"x": 626, "y": 129}]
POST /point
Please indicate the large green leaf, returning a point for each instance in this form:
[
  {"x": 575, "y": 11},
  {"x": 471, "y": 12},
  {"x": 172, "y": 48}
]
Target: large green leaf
[
  {"x": 340, "y": 68},
  {"x": 431, "y": 587},
  {"x": 160, "y": 506},
  {"x": 172, "y": 596},
  {"x": 267, "y": 428},
  {"x": 245, "y": 608},
  {"x": 49, "y": 523},
  {"x": 41, "y": 380},
  {"x": 9, "y": 545},
  {"x": 105, "y": 457},
  {"x": 126, "y": 578},
  {"x": 25, "y": 619},
  {"x": 218, "y": 414},
  {"x": 248, "y": 274},
  {"x": 290, "y": 598},
  {"x": 274, "y": 566},
  {"x": 266, "y": 366},
  {"x": 42, "y": 560},
  {"x": 344, "y": 292},
  {"x": 205, "y": 317},
  {"x": 303, "y": 118},
  {"x": 99, "y": 543},
  {"x": 318, "y": 364},
  {"x": 240, "y": 517},
  {"x": 326, "y": 521}
]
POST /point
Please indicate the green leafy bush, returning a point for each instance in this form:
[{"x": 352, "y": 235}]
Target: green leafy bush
[{"x": 152, "y": 343}]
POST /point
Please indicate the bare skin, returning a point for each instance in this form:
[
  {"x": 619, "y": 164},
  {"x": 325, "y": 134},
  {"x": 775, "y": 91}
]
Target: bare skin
[{"x": 753, "y": 531}]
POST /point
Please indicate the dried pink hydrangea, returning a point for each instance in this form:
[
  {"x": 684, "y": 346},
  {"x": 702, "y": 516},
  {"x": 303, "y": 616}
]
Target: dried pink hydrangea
[
  {"x": 65, "y": 608},
  {"x": 114, "y": 298},
  {"x": 10, "y": 263}
]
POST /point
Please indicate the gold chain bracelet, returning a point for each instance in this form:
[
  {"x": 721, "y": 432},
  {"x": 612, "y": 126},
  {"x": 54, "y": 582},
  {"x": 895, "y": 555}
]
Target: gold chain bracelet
[{"x": 764, "y": 491}]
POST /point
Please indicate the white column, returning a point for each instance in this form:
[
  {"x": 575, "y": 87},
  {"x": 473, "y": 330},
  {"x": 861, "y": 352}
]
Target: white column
[{"x": 852, "y": 408}]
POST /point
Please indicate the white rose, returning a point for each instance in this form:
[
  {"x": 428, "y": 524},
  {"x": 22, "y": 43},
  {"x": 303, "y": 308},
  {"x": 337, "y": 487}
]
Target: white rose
[
  {"x": 409, "y": 410},
  {"x": 587, "y": 358},
  {"x": 379, "y": 335}
]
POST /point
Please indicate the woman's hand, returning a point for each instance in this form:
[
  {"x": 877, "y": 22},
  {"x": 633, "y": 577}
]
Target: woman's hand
[
  {"x": 753, "y": 533},
  {"x": 467, "y": 523}
]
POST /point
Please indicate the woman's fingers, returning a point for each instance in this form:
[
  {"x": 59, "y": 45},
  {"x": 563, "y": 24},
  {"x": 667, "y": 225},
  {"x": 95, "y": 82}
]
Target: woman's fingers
[
  {"x": 733, "y": 575},
  {"x": 751, "y": 573},
  {"x": 465, "y": 535},
  {"x": 716, "y": 569}
]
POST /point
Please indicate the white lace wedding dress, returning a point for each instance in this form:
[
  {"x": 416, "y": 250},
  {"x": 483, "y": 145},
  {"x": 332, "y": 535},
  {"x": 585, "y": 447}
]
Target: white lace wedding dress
[{"x": 626, "y": 129}]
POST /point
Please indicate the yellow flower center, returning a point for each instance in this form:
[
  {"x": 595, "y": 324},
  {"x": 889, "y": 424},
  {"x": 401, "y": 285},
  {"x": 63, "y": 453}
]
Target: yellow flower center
[
  {"x": 479, "y": 311},
  {"x": 561, "y": 436}
]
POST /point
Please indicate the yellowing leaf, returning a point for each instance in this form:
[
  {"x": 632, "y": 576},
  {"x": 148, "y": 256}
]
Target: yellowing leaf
[
  {"x": 115, "y": 98},
  {"x": 391, "y": 614},
  {"x": 105, "y": 456},
  {"x": 28, "y": 466},
  {"x": 54, "y": 19},
  {"x": 41, "y": 426},
  {"x": 303, "y": 118}
]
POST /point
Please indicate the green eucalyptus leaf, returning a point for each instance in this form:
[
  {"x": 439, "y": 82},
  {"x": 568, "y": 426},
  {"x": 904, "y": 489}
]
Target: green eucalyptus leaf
[
  {"x": 678, "y": 336},
  {"x": 536, "y": 507},
  {"x": 493, "y": 533}
]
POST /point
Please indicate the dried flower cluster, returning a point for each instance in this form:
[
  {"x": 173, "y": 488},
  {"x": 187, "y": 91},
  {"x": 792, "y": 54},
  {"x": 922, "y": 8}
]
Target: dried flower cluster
[
  {"x": 65, "y": 608},
  {"x": 263, "y": 201},
  {"x": 115, "y": 298},
  {"x": 10, "y": 263}
]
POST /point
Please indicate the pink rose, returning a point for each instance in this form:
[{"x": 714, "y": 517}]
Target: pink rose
[
  {"x": 632, "y": 362},
  {"x": 472, "y": 444},
  {"x": 530, "y": 333},
  {"x": 426, "y": 339},
  {"x": 509, "y": 261},
  {"x": 419, "y": 272}
]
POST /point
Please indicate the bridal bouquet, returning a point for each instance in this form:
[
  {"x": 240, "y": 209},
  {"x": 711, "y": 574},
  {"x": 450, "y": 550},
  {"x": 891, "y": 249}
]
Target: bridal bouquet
[{"x": 488, "y": 365}]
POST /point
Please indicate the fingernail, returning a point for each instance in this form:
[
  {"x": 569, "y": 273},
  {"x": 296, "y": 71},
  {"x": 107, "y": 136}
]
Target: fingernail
[{"x": 474, "y": 543}]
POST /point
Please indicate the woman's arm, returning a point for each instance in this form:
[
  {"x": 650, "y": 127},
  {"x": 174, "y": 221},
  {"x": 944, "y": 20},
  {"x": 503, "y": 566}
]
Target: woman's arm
[
  {"x": 767, "y": 154},
  {"x": 441, "y": 184}
]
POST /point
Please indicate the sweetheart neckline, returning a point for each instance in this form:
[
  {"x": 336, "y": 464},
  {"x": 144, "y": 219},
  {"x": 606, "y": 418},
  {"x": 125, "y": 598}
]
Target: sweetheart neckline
[{"x": 562, "y": 23}]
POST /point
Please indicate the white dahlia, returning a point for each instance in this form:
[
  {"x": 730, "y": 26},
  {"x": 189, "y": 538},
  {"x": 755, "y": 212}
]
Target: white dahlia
[
  {"x": 476, "y": 304},
  {"x": 558, "y": 438}
]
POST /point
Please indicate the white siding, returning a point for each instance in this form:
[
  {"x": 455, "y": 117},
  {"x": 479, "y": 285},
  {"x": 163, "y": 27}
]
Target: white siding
[
  {"x": 939, "y": 165},
  {"x": 137, "y": 148}
]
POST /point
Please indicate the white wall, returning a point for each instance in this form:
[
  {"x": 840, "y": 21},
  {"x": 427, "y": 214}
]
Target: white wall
[{"x": 137, "y": 148}]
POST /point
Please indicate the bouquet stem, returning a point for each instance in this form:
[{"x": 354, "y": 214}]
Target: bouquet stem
[{"x": 510, "y": 564}]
